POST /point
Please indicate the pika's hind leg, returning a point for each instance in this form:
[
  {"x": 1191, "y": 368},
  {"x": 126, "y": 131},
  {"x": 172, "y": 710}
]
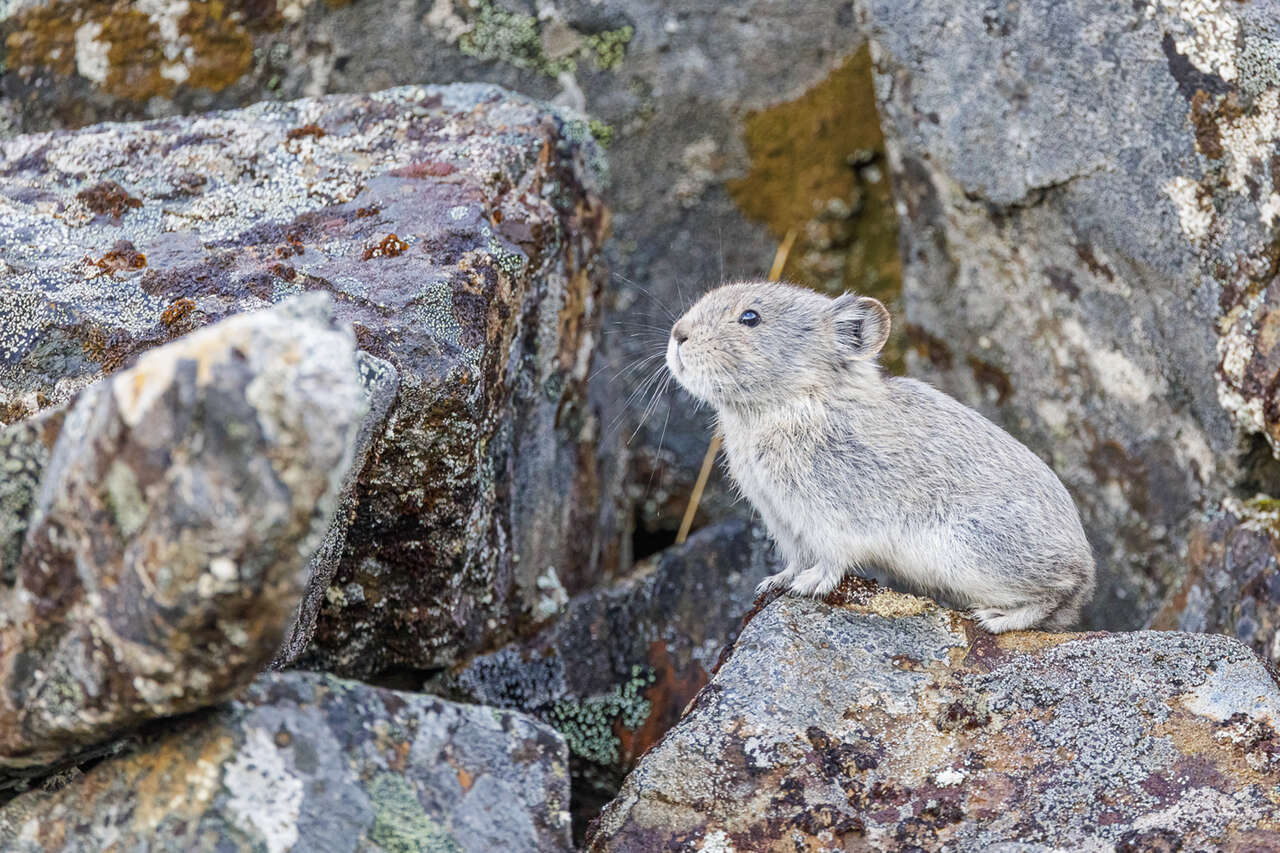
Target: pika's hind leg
[
  {"x": 997, "y": 620},
  {"x": 816, "y": 581},
  {"x": 779, "y": 581}
]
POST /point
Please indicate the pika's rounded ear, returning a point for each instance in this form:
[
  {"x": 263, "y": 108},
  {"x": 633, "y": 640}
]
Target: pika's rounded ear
[{"x": 861, "y": 325}]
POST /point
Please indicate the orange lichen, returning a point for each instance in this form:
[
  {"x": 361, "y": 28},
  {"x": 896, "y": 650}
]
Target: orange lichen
[
  {"x": 306, "y": 130},
  {"x": 817, "y": 167},
  {"x": 108, "y": 197},
  {"x": 390, "y": 246},
  {"x": 177, "y": 310},
  {"x": 123, "y": 257},
  {"x": 212, "y": 49}
]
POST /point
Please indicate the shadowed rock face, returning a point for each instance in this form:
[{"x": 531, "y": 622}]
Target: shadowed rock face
[
  {"x": 457, "y": 229},
  {"x": 620, "y": 665},
  {"x": 880, "y": 722},
  {"x": 312, "y": 762},
  {"x": 165, "y": 543},
  {"x": 1233, "y": 579},
  {"x": 1089, "y": 247}
]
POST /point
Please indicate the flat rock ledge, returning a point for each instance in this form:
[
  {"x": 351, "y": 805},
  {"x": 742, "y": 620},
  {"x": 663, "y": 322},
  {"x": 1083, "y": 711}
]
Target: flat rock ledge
[
  {"x": 311, "y": 762},
  {"x": 878, "y": 721}
]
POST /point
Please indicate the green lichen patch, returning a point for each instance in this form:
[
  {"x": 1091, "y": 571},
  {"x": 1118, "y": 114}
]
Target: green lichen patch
[
  {"x": 609, "y": 47},
  {"x": 588, "y": 724},
  {"x": 400, "y": 824},
  {"x": 523, "y": 41}
]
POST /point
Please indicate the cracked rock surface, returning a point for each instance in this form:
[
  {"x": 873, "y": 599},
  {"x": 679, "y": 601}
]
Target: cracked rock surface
[{"x": 618, "y": 667}]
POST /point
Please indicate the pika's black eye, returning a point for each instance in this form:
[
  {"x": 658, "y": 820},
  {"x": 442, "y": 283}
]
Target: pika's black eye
[{"x": 749, "y": 318}]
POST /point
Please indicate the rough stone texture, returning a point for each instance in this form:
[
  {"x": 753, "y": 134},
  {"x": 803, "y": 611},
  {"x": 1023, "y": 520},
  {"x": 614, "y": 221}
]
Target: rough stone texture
[
  {"x": 620, "y": 665},
  {"x": 380, "y": 381},
  {"x": 458, "y": 230},
  {"x": 166, "y": 547},
  {"x": 1233, "y": 579},
  {"x": 1088, "y": 197},
  {"x": 728, "y": 127},
  {"x": 884, "y": 723},
  {"x": 311, "y": 762}
]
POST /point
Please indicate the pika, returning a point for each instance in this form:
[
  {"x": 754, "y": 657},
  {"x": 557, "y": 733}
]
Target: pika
[{"x": 852, "y": 469}]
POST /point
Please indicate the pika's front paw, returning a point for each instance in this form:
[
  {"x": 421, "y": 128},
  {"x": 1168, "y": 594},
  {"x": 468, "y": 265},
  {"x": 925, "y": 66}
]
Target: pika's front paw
[
  {"x": 816, "y": 582},
  {"x": 778, "y": 581}
]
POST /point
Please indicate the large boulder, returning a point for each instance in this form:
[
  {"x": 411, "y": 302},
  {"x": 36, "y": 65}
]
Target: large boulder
[
  {"x": 311, "y": 762},
  {"x": 619, "y": 666},
  {"x": 458, "y": 230},
  {"x": 877, "y": 721},
  {"x": 165, "y": 533},
  {"x": 1089, "y": 248},
  {"x": 728, "y": 127}
]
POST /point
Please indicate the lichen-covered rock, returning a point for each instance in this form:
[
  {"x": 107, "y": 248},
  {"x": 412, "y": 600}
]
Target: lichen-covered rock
[
  {"x": 1089, "y": 246},
  {"x": 458, "y": 230},
  {"x": 380, "y": 382},
  {"x": 728, "y": 127},
  {"x": 165, "y": 547},
  {"x": 884, "y": 723},
  {"x": 1233, "y": 578},
  {"x": 619, "y": 666},
  {"x": 311, "y": 762}
]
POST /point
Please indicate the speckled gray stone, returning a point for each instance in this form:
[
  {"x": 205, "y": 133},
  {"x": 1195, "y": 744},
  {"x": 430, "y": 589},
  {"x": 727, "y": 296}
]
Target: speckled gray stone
[
  {"x": 312, "y": 762},
  {"x": 673, "y": 95},
  {"x": 885, "y": 723}
]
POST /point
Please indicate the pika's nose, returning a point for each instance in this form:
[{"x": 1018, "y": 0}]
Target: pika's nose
[{"x": 680, "y": 332}]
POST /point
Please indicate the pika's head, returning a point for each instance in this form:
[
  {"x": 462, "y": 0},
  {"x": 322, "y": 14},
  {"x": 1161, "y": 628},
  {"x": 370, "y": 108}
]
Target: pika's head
[{"x": 760, "y": 343}]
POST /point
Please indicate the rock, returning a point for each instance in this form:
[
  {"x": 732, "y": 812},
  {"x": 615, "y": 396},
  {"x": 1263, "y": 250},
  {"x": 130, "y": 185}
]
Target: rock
[
  {"x": 1233, "y": 583},
  {"x": 311, "y": 762},
  {"x": 380, "y": 381},
  {"x": 884, "y": 723},
  {"x": 458, "y": 230},
  {"x": 727, "y": 128},
  {"x": 166, "y": 546},
  {"x": 1089, "y": 247},
  {"x": 618, "y": 667}
]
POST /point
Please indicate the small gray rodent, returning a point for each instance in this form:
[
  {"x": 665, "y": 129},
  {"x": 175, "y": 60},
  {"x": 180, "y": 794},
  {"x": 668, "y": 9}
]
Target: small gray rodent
[{"x": 853, "y": 469}]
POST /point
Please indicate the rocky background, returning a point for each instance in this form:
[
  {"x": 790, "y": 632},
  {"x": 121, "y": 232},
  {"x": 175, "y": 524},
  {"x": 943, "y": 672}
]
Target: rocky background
[{"x": 337, "y": 360}]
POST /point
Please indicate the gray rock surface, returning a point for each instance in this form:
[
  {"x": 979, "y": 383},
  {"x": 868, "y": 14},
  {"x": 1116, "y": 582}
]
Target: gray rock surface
[
  {"x": 458, "y": 230},
  {"x": 618, "y": 667},
  {"x": 1088, "y": 202},
  {"x": 311, "y": 762},
  {"x": 166, "y": 544},
  {"x": 880, "y": 722}
]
